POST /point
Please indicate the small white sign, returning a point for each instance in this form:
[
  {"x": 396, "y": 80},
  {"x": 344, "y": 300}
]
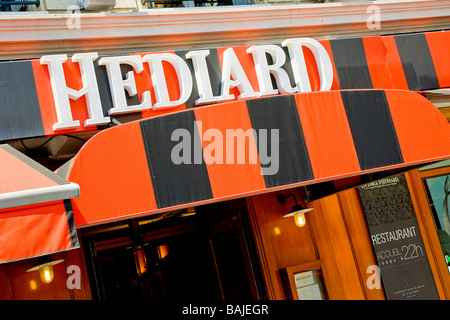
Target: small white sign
[
  {"x": 304, "y": 279},
  {"x": 309, "y": 293}
]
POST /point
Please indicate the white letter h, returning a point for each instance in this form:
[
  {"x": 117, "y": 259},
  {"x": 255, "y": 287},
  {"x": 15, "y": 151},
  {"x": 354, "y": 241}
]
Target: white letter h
[{"x": 61, "y": 93}]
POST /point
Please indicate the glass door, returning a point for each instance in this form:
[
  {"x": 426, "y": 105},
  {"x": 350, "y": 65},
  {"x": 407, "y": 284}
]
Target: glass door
[
  {"x": 236, "y": 263},
  {"x": 209, "y": 257}
]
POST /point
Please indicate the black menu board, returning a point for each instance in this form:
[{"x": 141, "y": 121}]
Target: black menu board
[{"x": 396, "y": 239}]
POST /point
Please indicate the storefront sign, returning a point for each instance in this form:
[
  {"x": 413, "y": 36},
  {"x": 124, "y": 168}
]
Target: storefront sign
[
  {"x": 233, "y": 75},
  {"x": 57, "y": 94},
  {"x": 396, "y": 239}
]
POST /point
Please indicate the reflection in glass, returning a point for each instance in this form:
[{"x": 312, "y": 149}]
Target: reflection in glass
[{"x": 438, "y": 192}]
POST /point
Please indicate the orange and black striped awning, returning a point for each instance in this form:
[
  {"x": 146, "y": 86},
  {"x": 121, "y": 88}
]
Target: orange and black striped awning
[
  {"x": 36, "y": 216},
  {"x": 129, "y": 170}
]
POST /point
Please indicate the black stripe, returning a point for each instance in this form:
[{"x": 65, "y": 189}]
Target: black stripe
[
  {"x": 351, "y": 64},
  {"x": 215, "y": 74},
  {"x": 280, "y": 112},
  {"x": 287, "y": 67},
  {"x": 105, "y": 92},
  {"x": 372, "y": 128},
  {"x": 20, "y": 115},
  {"x": 175, "y": 184},
  {"x": 416, "y": 61},
  {"x": 71, "y": 223}
]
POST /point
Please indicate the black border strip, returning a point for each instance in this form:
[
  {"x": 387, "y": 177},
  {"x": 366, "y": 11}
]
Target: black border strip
[
  {"x": 280, "y": 112},
  {"x": 372, "y": 128},
  {"x": 19, "y": 108},
  {"x": 71, "y": 223},
  {"x": 175, "y": 184},
  {"x": 417, "y": 62},
  {"x": 351, "y": 64}
]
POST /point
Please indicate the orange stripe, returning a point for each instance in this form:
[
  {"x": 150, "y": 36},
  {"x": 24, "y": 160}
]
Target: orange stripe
[
  {"x": 327, "y": 46},
  {"x": 133, "y": 192},
  {"x": 246, "y": 61},
  {"x": 74, "y": 81},
  {"x": 311, "y": 67},
  {"x": 32, "y": 231},
  {"x": 46, "y": 100},
  {"x": 376, "y": 63},
  {"x": 439, "y": 45},
  {"x": 18, "y": 176},
  {"x": 144, "y": 83},
  {"x": 229, "y": 178},
  {"x": 327, "y": 134},
  {"x": 421, "y": 129},
  {"x": 394, "y": 63}
]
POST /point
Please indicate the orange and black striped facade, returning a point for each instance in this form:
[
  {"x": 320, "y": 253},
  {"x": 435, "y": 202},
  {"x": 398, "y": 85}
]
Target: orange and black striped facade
[
  {"x": 370, "y": 122},
  {"x": 373, "y": 123},
  {"x": 411, "y": 62}
]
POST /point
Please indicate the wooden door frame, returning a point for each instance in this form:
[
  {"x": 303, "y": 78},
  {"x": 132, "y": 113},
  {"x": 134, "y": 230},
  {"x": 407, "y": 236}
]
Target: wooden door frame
[{"x": 427, "y": 227}]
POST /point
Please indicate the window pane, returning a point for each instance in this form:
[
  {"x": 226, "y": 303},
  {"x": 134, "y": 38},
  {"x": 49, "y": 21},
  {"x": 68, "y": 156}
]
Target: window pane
[{"x": 438, "y": 192}]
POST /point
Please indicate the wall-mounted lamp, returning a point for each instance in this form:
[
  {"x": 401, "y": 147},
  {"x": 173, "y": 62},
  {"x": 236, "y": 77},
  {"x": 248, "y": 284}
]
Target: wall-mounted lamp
[
  {"x": 45, "y": 267},
  {"x": 298, "y": 211}
]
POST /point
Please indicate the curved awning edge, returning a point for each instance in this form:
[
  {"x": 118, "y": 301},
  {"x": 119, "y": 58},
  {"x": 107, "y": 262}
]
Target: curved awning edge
[{"x": 155, "y": 164}]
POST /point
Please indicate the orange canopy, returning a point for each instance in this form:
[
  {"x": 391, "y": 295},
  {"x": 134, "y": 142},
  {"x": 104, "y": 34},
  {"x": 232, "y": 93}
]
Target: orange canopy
[
  {"x": 36, "y": 215},
  {"x": 175, "y": 161}
]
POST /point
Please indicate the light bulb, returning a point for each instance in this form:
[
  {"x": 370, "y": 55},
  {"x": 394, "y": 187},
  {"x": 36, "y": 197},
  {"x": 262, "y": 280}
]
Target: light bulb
[
  {"x": 46, "y": 273},
  {"x": 300, "y": 219}
]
